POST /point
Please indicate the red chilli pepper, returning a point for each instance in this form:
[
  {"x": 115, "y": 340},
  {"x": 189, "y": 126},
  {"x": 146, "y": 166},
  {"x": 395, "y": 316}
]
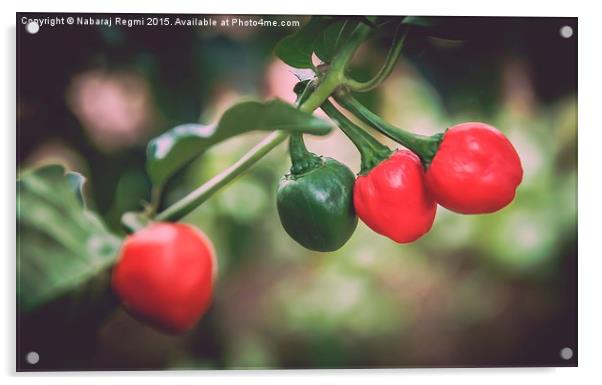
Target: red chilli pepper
[
  {"x": 392, "y": 198},
  {"x": 472, "y": 168},
  {"x": 475, "y": 170},
  {"x": 165, "y": 275},
  {"x": 390, "y": 194}
]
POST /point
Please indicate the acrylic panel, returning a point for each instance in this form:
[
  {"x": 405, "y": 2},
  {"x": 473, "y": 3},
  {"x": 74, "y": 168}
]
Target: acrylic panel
[{"x": 292, "y": 191}]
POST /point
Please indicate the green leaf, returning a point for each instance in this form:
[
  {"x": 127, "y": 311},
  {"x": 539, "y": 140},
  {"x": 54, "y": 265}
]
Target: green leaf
[
  {"x": 178, "y": 146},
  {"x": 61, "y": 246},
  {"x": 296, "y": 49},
  {"x": 333, "y": 38}
]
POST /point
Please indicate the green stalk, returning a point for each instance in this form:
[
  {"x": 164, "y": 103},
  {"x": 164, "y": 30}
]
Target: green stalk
[
  {"x": 371, "y": 150},
  {"x": 202, "y": 193},
  {"x": 327, "y": 85},
  {"x": 155, "y": 199},
  {"x": 424, "y": 146},
  {"x": 302, "y": 160},
  {"x": 386, "y": 69},
  {"x": 336, "y": 73}
]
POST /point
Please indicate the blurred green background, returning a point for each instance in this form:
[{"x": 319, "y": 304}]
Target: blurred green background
[{"x": 495, "y": 290}]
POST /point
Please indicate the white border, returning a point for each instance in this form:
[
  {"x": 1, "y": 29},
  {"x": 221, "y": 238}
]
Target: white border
[{"x": 590, "y": 129}]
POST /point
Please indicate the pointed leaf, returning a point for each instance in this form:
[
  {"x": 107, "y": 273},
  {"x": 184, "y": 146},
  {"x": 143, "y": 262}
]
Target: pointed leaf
[
  {"x": 61, "y": 246},
  {"x": 296, "y": 49},
  {"x": 175, "y": 148},
  {"x": 330, "y": 41}
]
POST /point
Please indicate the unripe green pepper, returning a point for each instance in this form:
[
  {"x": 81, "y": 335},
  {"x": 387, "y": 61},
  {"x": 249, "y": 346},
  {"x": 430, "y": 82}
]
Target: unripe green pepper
[{"x": 315, "y": 200}]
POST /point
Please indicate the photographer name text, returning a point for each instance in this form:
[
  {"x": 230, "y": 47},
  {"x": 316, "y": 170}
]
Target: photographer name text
[{"x": 163, "y": 21}]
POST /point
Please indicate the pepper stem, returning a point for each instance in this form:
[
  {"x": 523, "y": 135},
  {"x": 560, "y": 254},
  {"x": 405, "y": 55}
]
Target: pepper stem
[
  {"x": 302, "y": 160},
  {"x": 424, "y": 146},
  {"x": 386, "y": 69},
  {"x": 371, "y": 150}
]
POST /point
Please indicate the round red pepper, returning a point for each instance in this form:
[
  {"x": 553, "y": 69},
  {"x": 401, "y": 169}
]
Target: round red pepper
[
  {"x": 165, "y": 275},
  {"x": 392, "y": 198},
  {"x": 472, "y": 168},
  {"x": 475, "y": 170}
]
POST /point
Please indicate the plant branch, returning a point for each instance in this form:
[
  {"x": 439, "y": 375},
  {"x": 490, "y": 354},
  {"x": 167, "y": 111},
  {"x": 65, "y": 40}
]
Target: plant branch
[
  {"x": 202, "y": 193},
  {"x": 386, "y": 69},
  {"x": 155, "y": 199},
  {"x": 327, "y": 85},
  {"x": 335, "y": 76}
]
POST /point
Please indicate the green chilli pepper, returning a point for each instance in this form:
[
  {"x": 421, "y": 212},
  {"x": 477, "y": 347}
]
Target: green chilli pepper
[{"x": 315, "y": 200}]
